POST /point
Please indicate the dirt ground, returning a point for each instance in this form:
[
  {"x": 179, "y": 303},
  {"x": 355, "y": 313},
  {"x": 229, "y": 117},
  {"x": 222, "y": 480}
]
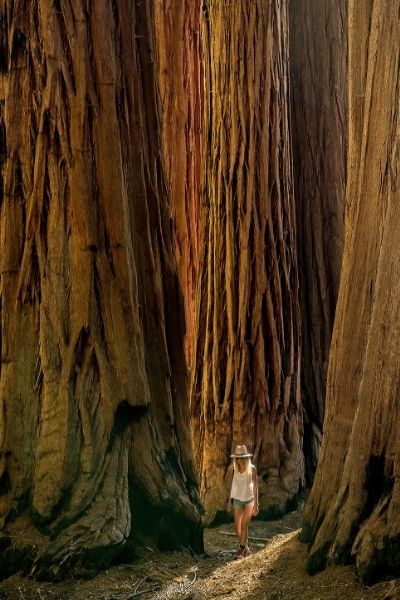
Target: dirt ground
[{"x": 274, "y": 570}]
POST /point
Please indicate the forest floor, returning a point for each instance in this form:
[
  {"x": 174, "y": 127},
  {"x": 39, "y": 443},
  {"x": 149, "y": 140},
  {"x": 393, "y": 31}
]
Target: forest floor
[{"x": 274, "y": 570}]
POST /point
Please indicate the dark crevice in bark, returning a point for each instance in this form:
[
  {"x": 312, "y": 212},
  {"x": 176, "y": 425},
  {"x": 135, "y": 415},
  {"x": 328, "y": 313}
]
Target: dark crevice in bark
[
  {"x": 56, "y": 144},
  {"x": 386, "y": 562},
  {"x": 5, "y": 542},
  {"x": 378, "y": 484},
  {"x": 65, "y": 43},
  {"x": 18, "y": 45},
  {"x": 44, "y": 213},
  {"x": 47, "y": 124},
  {"x": 21, "y": 504},
  {"x": 1, "y": 337},
  {"x": 65, "y": 199},
  {"x": 39, "y": 382},
  {"x": 109, "y": 252},
  {"x": 168, "y": 528},
  {"x": 31, "y": 291},
  {"x": 5, "y": 483},
  {"x": 317, "y": 561},
  {"x": 125, "y": 415},
  {"x": 15, "y": 560},
  {"x": 4, "y": 40},
  {"x": 18, "y": 189},
  {"x": 45, "y": 524},
  {"x": 78, "y": 354},
  {"x": 97, "y": 297},
  {"x": 3, "y": 155},
  {"x": 93, "y": 80},
  {"x": 65, "y": 112}
]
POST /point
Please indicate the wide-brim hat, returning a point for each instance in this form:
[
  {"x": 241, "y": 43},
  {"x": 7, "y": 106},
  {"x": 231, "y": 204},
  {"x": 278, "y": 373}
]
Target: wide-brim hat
[{"x": 241, "y": 452}]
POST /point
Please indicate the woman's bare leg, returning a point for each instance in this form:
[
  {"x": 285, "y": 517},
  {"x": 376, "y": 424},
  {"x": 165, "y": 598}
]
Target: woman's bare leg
[
  {"x": 244, "y": 524},
  {"x": 238, "y": 516}
]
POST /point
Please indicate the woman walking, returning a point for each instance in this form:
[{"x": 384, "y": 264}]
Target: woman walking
[{"x": 243, "y": 497}]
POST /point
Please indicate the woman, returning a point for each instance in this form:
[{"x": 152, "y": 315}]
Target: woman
[{"x": 243, "y": 497}]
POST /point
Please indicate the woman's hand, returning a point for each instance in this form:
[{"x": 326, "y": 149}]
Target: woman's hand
[
  {"x": 229, "y": 505},
  {"x": 256, "y": 509}
]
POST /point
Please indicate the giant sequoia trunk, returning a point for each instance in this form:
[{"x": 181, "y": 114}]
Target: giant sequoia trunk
[
  {"x": 93, "y": 409},
  {"x": 318, "y": 67},
  {"x": 353, "y": 511},
  {"x": 246, "y": 367}
]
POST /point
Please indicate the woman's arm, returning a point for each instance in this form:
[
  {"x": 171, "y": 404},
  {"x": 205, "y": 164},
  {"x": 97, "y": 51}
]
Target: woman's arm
[
  {"x": 255, "y": 489},
  {"x": 229, "y": 499}
]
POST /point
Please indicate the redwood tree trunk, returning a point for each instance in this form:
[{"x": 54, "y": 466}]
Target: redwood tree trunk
[
  {"x": 93, "y": 391},
  {"x": 353, "y": 511},
  {"x": 246, "y": 366},
  {"x": 318, "y": 68}
]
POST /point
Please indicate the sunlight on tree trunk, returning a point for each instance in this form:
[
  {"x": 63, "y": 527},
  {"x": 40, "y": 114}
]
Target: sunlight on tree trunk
[{"x": 353, "y": 511}]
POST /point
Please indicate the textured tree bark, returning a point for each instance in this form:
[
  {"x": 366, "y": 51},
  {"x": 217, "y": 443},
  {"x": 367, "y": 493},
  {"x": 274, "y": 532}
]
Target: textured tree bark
[
  {"x": 353, "y": 510},
  {"x": 93, "y": 381},
  {"x": 318, "y": 68},
  {"x": 246, "y": 364},
  {"x": 180, "y": 73}
]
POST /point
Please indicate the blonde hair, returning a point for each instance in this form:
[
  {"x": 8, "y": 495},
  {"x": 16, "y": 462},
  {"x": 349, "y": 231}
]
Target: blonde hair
[{"x": 249, "y": 464}]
